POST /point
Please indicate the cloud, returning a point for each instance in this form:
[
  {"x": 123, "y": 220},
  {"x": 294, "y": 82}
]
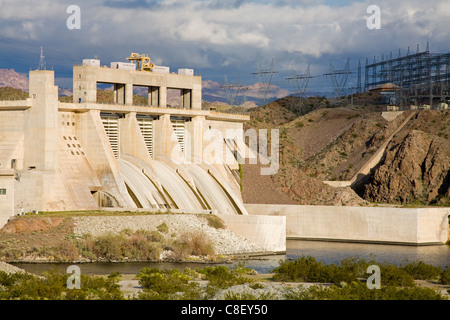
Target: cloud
[{"x": 220, "y": 37}]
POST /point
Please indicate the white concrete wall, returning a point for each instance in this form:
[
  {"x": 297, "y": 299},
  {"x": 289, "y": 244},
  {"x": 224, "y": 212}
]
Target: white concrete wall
[
  {"x": 361, "y": 224},
  {"x": 266, "y": 231},
  {"x": 391, "y": 115},
  {"x": 6, "y": 200}
]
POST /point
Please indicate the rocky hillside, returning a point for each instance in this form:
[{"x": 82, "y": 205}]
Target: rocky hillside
[
  {"x": 10, "y": 78},
  {"x": 415, "y": 168},
  {"x": 8, "y": 93},
  {"x": 323, "y": 140}
]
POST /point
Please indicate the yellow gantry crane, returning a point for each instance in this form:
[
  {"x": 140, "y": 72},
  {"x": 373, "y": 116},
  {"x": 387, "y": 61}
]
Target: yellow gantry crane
[{"x": 143, "y": 61}]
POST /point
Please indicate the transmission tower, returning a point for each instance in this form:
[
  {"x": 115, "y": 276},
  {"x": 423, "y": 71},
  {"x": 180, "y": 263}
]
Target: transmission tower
[
  {"x": 42, "y": 61},
  {"x": 339, "y": 78},
  {"x": 265, "y": 77},
  {"x": 300, "y": 81},
  {"x": 235, "y": 93},
  {"x": 359, "y": 84}
]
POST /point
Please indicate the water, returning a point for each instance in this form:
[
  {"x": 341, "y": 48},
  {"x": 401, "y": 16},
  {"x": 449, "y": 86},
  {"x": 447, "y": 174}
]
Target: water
[{"x": 327, "y": 252}]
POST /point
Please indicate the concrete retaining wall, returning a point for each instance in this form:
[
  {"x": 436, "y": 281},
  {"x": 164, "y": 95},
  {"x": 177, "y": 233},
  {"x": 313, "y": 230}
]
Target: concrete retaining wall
[
  {"x": 266, "y": 231},
  {"x": 6, "y": 195},
  {"x": 416, "y": 226}
]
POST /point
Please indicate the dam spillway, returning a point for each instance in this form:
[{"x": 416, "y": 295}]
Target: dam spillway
[{"x": 203, "y": 192}]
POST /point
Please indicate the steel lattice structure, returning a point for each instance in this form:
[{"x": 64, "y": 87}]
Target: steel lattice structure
[{"x": 422, "y": 76}]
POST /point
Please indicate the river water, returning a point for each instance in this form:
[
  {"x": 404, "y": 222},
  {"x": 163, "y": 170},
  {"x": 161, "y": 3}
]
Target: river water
[{"x": 327, "y": 252}]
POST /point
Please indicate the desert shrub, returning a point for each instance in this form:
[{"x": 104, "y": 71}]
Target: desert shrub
[
  {"x": 358, "y": 290},
  {"x": 67, "y": 250},
  {"x": 167, "y": 284},
  {"x": 155, "y": 236},
  {"x": 52, "y": 285},
  {"x": 445, "y": 276},
  {"x": 138, "y": 245},
  {"x": 163, "y": 228},
  {"x": 307, "y": 269},
  {"x": 193, "y": 243},
  {"x": 394, "y": 276},
  {"x": 108, "y": 246},
  {"x": 422, "y": 271},
  {"x": 222, "y": 277},
  {"x": 214, "y": 221}
]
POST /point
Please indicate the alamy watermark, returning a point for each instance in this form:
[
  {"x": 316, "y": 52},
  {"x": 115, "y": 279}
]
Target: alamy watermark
[
  {"x": 74, "y": 20},
  {"x": 374, "y": 21},
  {"x": 230, "y": 147},
  {"x": 374, "y": 281},
  {"x": 74, "y": 281}
]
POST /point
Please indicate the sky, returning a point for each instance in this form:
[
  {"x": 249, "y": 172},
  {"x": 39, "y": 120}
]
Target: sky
[{"x": 234, "y": 38}]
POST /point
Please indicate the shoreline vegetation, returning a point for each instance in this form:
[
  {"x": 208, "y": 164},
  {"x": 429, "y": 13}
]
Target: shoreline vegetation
[
  {"x": 50, "y": 237},
  {"x": 55, "y": 238},
  {"x": 300, "y": 279}
]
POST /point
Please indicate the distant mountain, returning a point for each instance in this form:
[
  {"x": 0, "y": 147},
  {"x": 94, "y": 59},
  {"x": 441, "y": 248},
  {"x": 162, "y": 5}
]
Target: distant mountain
[
  {"x": 10, "y": 78},
  {"x": 212, "y": 91},
  {"x": 216, "y": 92}
]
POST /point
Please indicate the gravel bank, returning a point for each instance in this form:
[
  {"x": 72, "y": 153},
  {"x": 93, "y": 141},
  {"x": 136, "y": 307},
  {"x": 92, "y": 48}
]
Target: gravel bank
[
  {"x": 224, "y": 240},
  {"x": 8, "y": 268}
]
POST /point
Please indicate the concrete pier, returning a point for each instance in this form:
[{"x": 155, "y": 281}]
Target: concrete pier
[{"x": 413, "y": 226}]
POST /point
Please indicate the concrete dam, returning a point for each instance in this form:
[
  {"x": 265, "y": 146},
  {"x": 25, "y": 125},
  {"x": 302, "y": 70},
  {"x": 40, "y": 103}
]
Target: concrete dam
[
  {"x": 86, "y": 155},
  {"x": 120, "y": 156}
]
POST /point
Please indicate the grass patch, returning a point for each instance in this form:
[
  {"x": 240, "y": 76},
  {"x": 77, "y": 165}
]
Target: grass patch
[{"x": 214, "y": 221}]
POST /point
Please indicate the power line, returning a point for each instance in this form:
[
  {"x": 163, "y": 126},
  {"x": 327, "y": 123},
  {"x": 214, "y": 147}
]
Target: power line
[
  {"x": 339, "y": 78},
  {"x": 235, "y": 93},
  {"x": 300, "y": 81},
  {"x": 265, "y": 77}
]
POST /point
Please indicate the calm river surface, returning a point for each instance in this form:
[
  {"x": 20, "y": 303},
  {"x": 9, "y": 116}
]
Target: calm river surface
[{"x": 327, "y": 252}]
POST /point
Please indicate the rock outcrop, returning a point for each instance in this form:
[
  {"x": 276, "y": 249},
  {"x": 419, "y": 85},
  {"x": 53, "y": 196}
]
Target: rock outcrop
[{"x": 416, "y": 169}]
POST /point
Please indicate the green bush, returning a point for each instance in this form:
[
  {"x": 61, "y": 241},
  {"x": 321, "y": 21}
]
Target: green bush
[
  {"x": 358, "y": 290},
  {"x": 445, "y": 276},
  {"x": 214, "y": 221},
  {"x": 307, "y": 269},
  {"x": 52, "y": 285},
  {"x": 167, "y": 285},
  {"x": 394, "y": 276},
  {"x": 163, "y": 228},
  {"x": 422, "y": 271},
  {"x": 222, "y": 277}
]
